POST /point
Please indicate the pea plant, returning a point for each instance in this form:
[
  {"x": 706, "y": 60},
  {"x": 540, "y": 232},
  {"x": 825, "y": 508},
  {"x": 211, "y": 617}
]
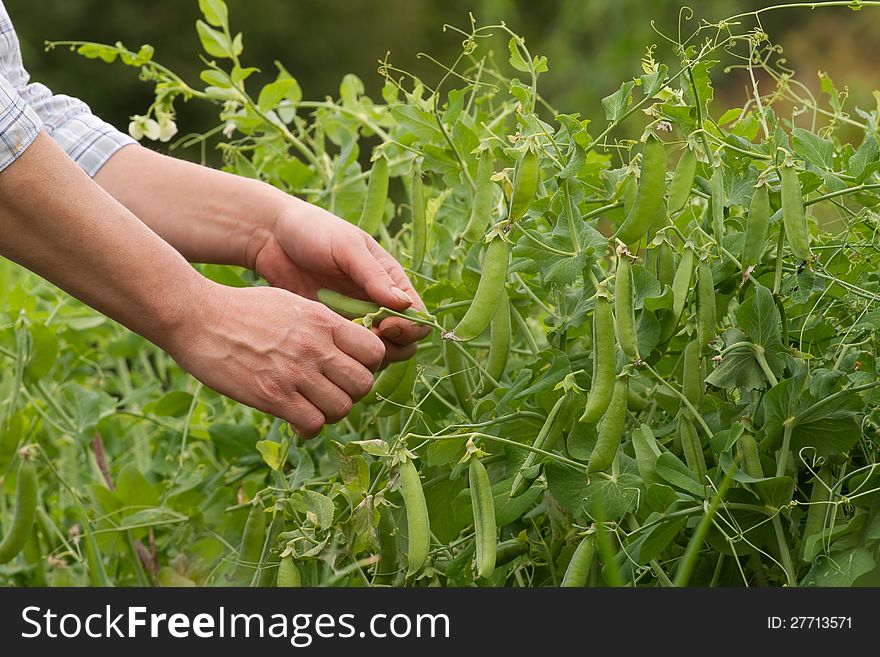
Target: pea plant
[{"x": 652, "y": 360}]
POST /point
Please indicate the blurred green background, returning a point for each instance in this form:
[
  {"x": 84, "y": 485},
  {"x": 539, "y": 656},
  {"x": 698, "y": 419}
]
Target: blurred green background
[{"x": 592, "y": 45}]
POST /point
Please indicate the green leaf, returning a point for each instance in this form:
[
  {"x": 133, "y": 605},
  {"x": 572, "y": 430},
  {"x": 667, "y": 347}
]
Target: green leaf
[
  {"x": 133, "y": 489},
  {"x": 43, "y": 352},
  {"x": 215, "y": 12},
  {"x": 322, "y": 506},
  {"x": 759, "y": 318},
  {"x": 616, "y": 104},
  {"x": 867, "y": 154},
  {"x": 814, "y": 149},
  {"x": 673, "y": 471},
  {"x": 274, "y": 92},
  {"x": 659, "y": 537},
  {"x": 271, "y": 453},
  {"x": 775, "y": 491},
  {"x": 516, "y": 58},
  {"x": 173, "y": 404},
  {"x": 214, "y": 42},
  {"x": 589, "y": 497},
  {"x": 840, "y": 569},
  {"x": 651, "y": 82},
  {"x": 417, "y": 122}
]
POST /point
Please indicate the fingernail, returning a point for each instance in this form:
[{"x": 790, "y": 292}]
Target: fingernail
[
  {"x": 392, "y": 332},
  {"x": 400, "y": 294}
]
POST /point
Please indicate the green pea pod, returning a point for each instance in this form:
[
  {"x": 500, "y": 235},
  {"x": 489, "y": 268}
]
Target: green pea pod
[
  {"x": 402, "y": 394},
  {"x": 705, "y": 306},
  {"x": 682, "y": 181},
  {"x": 346, "y": 306},
  {"x": 610, "y": 429},
  {"x": 817, "y": 512},
  {"x": 624, "y": 315},
  {"x": 483, "y": 507},
  {"x": 481, "y": 210},
  {"x": 581, "y": 561},
  {"x": 387, "y": 566},
  {"x": 377, "y": 194},
  {"x": 419, "y": 220},
  {"x": 459, "y": 374},
  {"x": 488, "y": 296},
  {"x": 251, "y": 544},
  {"x": 750, "y": 457},
  {"x": 681, "y": 287},
  {"x": 757, "y": 226},
  {"x": 288, "y": 573},
  {"x": 665, "y": 264},
  {"x": 417, "y": 522},
  {"x": 604, "y": 361},
  {"x": 692, "y": 447},
  {"x": 716, "y": 183},
  {"x": 268, "y": 561},
  {"x": 794, "y": 217},
  {"x": 545, "y": 440},
  {"x": 386, "y": 382},
  {"x": 499, "y": 343},
  {"x": 648, "y": 205},
  {"x": 525, "y": 185},
  {"x": 692, "y": 374},
  {"x": 647, "y": 452},
  {"x": 25, "y": 512}
]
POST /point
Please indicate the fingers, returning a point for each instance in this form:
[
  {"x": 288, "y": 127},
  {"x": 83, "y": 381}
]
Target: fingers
[
  {"x": 359, "y": 343},
  {"x": 303, "y": 416},
  {"x": 333, "y": 402},
  {"x": 351, "y": 376},
  {"x": 366, "y": 271},
  {"x": 395, "y": 352},
  {"x": 402, "y": 332}
]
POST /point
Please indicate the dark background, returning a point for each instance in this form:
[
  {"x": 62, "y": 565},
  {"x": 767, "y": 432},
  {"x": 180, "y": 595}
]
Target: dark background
[{"x": 592, "y": 45}]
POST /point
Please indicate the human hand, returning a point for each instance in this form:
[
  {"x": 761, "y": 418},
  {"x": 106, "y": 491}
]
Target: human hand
[
  {"x": 311, "y": 248},
  {"x": 279, "y": 353}
]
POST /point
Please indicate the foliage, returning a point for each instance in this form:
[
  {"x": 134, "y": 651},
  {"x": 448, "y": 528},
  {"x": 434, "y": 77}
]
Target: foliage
[{"x": 754, "y": 462}]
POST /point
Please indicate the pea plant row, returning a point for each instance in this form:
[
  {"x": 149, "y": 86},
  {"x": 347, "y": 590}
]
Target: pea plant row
[{"x": 653, "y": 360}]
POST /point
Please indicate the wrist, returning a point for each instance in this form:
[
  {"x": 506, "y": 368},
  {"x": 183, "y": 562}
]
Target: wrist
[{"x": 273, "y": 208}]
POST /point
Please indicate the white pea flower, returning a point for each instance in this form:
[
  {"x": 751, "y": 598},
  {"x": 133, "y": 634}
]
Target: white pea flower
[
  {"x": 167, "y": 128},
  {"x": 229, "y": 129},
  {"x": 142, "y": 126}
]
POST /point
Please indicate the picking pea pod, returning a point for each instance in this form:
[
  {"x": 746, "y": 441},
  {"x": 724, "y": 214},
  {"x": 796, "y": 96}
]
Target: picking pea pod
[
  {"x": 344, "y": 305},
  {"x": 488, "y": 296},
  {"x": 288, "y": 573},
  {"x": 581, "y": 561},
  {"x": 525, "y": 185},
  {"x": 419, "y": 220},
  {"x": 692, "y": 374},
  {"x": 648, "y": 205},
  {"x": 483, "y": 507},
  {"x": 757, "y": 226},
  {"x": 417, "y": 522},
  {"x": 691, "y": 447},
  {"x": 705, "y": 306},
  {"x": 481, "y": 210},
  {"x": 604, "y": 361},
  {"x": 545, "y": 440},
  {"x": 499, "y": 343},
  {"x": 682, "y": 181},
  {"x": 624, "y": 315},
  {"x": 716, "y": 184},
  {"x": 25, "y": 512},
  {"x": 794, "y": 217},
  {"x": 610, "y": 429},
  {"x": 377, "y": 194}
]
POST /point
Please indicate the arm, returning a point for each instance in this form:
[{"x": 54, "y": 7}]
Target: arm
[
  {"x": 265, "y": 347},
  {"x": 212, "y": 216}
]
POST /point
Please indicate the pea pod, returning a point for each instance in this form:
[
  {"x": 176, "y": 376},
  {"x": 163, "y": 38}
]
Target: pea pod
[
  {"x": 483, "y": 507},
  {"x": 705, "y": 306},
  {"x": 545, "y": 440},
  {"x": 459, "y": 374},
  {"x": 387, "y": 566},
  {"x": 794, "y": 217},
  {"x": 691, "y": 447},
  {"x": 24, "y": 514},
  {"x": 649, "y": 200},
  {"x": 419, "y": 220},
  {"x": 604, "y": 361},
  {"x": 681, "y": 287},
  {"x": 750, "y": 457},
  {"x": 525, "y": 185},
  {"x": 692, "y": 374},
  {"x": 488, "y": 295},
  {"x": 581, "y": 561},
  {"x": 647, "y": 452},
  {"x": 288, "y": 573},
  {"x": 624, "y": 315},
  {"x": 377, "y": 194},
  {"x": 610, "y": 429},
  {"x": 268, "y": 561},
  {"x": 252, "y": 540},
  {"x": 820, "y": 498},
  {"x": 665, "y": 263},
  {"x": 716, "y": 184},
  {"x": 499, "y": 342},
  {"x": 417, "y": 523},
  {"x": 481, "y": 210},
  {"x": 401, "y": 394},
  {"x": 386, "y": 382},
  {"x": 756, "y": 228},
  {"x": 344, "y": 305},
  {"x": 682, "y": 181}
]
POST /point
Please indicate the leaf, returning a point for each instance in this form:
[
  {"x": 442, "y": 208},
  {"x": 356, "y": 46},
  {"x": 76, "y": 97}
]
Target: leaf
[
  {"x": 738, "y": 369},
  {"x": 840, "y": 569},
  {"x": 813, "y": 148},
  {"x": 775, "y": 491},
  {"x": 651, "y": 82},
  {"x": 658, "y": 538},
  {"x": 591, "y": 497},
  {"x": 353, "y": 467},
  {"x": 271, "y": 453},
  {"x": 673, "y": 471},
  {"x": 322, "y": 506},
  {"x": 516, "y": 59},
  {"x": 173, "y": 404},
  {"x": 133, "y": 489},
  {"x": 43, "y": 352},
  {"x": 867, "y": 154},
  {"x": 215, "y": 12},
  {"x": 274, "y": 92},
  {"x": 417, "y": 122},
  {"x": 616, "y": 104},
  {"x": 214, "y": 42}
]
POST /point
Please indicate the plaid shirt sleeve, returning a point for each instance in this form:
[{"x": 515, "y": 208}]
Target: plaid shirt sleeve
[{"x": 87, "y": 139}]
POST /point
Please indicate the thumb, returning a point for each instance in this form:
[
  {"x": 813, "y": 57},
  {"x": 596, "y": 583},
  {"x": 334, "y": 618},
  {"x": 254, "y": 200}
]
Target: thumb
[{"x": 369, "y": 274}]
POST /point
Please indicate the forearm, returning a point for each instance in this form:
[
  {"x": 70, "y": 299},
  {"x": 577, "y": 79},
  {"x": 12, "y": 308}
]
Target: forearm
[
  {"x": 56, "y": 222},
  {"x": 207, "y": 215}
]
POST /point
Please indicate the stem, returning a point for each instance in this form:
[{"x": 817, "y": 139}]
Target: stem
[
  {"x": 684, "y": 400},
  {"x": 765, "y": 366},
  {"x": 784, "y": 552}
]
